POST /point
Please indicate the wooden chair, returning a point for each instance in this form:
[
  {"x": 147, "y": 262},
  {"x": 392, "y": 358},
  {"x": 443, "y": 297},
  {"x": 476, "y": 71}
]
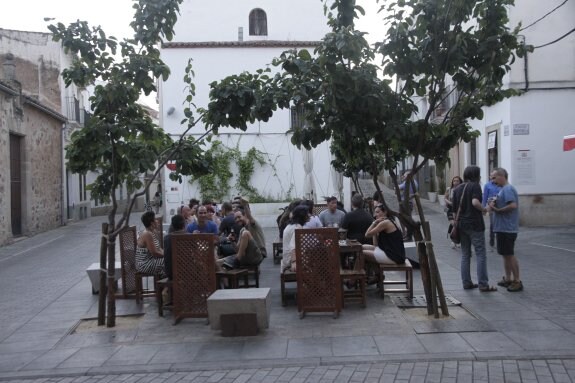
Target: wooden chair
[
  {"x": 356, "y": 277},
  {"x": 318, "y": 277},
  {"x": 194, "y": 276},
  {"x": 319, "y": 207},
  {"x": 407, "y": 282},
  {"x": 132, "y": 280},
  {"x": 286, "y": 277},
  {"x": 159, "y": 230}
]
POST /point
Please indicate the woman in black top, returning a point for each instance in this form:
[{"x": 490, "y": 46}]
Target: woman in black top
[{"x": 387, "y": 240}]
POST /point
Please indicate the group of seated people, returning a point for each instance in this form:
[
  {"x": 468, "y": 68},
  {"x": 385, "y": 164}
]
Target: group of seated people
[
  {"x": 238, "y": 236},
  {"x": 380, "y": 236},
  {"x": 240, "y": 239}
]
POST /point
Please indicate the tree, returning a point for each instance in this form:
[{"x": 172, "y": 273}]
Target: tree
[
  {"x": 120, "y": 142},
  {"x": 436, "y": 49}
]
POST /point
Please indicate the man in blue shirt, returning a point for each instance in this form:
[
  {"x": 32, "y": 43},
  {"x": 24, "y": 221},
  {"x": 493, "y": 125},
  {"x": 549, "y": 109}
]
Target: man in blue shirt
[
  {"x": 490, "y": 191},
  {"x": 203, "y": 225},
  {"x": 506, "y": 226}
]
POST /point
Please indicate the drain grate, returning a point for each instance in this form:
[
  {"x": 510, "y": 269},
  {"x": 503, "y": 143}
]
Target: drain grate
[{"x": 420, "y": 301}]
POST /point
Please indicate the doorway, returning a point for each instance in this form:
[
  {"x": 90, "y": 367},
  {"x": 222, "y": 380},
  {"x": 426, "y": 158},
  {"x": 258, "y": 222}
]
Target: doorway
[{"x": 16, "y": 184}]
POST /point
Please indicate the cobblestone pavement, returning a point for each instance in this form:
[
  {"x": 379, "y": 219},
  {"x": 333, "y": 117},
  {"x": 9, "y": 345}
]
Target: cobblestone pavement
[
  {"x": 46, "y": 308},
  {"x": 492, "y": 371}
]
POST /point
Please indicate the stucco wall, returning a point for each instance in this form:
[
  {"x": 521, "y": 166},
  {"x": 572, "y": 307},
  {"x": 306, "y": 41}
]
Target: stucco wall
[{"x": 546, "y": 209}]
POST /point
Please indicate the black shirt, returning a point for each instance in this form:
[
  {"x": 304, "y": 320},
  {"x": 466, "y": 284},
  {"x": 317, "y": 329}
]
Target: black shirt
[
  {"x": 356, "y": 222},
  {"x": 469, "y": 218}
]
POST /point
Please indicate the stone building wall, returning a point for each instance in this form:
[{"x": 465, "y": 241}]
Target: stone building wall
[
  {"x": 41, "y": 163},
  {"x": 43, "y": 169}
]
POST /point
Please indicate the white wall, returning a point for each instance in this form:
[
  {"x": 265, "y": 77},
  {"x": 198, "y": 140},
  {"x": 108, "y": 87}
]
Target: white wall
[
  {"x": 547, "y": 65},
  {"x": 218, "y": 20}
]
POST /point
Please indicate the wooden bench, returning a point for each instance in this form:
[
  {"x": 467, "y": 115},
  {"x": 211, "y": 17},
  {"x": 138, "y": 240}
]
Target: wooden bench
[{"x": 407, "y": 282}]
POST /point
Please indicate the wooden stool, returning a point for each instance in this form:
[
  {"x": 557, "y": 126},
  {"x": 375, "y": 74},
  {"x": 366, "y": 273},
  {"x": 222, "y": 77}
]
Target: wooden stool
[
  {"x": 255, "y": 271},
  {"x": 408, "y": 282},
  {"x": 358, "y": 279},
  {"x": 232, "y": 276},
  {"x": 160, "y": 285},
  {"x": 286, "y": 276},
  {"x": 278, "y": 252}
]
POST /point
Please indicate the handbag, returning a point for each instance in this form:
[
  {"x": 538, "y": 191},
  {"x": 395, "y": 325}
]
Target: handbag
[{"x": 455, "y": 236}]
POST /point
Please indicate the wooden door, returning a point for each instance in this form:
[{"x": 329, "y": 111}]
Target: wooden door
[{"x": 16, "y": 184}]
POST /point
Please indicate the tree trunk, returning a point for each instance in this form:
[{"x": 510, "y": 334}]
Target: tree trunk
[
  {"x": 111, "y": 278},
  {"x": 102, "y": 290}
]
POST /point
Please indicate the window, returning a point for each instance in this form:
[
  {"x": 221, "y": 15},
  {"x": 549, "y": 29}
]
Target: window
[
  {"x": 473, "y": 152},
  {"x": 258, "y": 23},
  {"x": 297, "y": 117}
]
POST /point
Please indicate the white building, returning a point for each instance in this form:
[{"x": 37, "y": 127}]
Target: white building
[
  {"x": 525, "y": 134},
  {"x": 226, "y": 37}
]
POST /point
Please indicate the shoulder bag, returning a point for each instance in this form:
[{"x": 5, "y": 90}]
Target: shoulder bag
[{"x": 455, "y": 235}]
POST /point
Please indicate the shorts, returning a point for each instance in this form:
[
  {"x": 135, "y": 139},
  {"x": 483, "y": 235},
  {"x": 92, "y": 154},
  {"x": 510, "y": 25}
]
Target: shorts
[
  {"x": 381, "y": 257},
  {"x": 506, "y": 243}
]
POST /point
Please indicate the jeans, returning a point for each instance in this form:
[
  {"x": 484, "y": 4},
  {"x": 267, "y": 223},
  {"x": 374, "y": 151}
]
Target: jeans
[{"x": 477, "y": 239}]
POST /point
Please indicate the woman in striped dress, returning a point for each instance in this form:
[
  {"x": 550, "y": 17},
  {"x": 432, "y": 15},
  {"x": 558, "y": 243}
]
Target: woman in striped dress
[{"x": 149, "y": 254}]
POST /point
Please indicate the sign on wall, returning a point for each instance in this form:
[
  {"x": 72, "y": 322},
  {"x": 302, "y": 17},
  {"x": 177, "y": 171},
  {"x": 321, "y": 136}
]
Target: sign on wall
[
  {"x": 520, "y": 129},
  {"x": 524, "y": 167}
]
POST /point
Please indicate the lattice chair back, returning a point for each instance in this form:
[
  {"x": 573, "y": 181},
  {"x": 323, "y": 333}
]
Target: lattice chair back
[
  {"x": 318, "y": 208},
  {"x": 194, "y": 274},
  {"x": 318, "y": 278},
  {"x": 128, "y": 243}
]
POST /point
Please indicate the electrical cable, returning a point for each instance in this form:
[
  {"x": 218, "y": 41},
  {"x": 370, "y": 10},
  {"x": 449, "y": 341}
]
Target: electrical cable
[
  {"x": 556, "y": 40},
  {"x": 544, "y": 16}
]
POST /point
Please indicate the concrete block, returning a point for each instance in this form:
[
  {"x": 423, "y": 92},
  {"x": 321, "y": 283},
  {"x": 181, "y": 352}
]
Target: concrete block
[
  {"x": 239, "y": 324},
  {"x": 240, "y": 301},
  {"x": 93, "y": 272}
]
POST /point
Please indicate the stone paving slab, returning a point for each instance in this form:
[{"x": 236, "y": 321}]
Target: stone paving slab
[{"x": 46, "y": 292}]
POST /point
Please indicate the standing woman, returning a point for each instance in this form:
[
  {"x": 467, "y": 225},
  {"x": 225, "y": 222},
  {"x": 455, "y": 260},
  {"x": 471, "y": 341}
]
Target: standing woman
[
  {"x": 149, "y": 254},
  {"x": 455, "y": 182},
  {"x": 387, "y": 240}
]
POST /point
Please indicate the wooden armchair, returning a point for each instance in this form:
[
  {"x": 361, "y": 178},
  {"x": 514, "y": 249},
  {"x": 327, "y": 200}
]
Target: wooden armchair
[
  {"x": 194, "y": 274},
  {"x": 318, "y": 277},
  {"x": 132, "y": 284}
]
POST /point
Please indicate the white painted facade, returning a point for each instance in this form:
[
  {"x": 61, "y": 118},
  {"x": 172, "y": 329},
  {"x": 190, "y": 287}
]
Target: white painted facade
[
  {"x": 530, "y": 128},
  {"x": 208, "y": 33}
]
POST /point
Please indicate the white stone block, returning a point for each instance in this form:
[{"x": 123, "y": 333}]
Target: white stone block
[
  {"x": 93, "y": 272},
  {"x": 240, "y": 301}
]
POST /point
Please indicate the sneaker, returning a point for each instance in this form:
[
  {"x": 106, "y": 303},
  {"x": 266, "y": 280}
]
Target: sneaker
[
  {"x": 515, "y": 286},
  {"x": 504, "y": 282},
  {"x": 453, "y": 245}
]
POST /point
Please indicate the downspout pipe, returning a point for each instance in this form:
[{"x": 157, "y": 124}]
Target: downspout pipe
[{"x": 525, "y": 65}]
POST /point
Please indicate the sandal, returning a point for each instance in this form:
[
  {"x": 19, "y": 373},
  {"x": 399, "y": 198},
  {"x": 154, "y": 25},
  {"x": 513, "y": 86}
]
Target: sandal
[
  {"x": 487, "y": 289},
  {"x": 471, "y": 286}
]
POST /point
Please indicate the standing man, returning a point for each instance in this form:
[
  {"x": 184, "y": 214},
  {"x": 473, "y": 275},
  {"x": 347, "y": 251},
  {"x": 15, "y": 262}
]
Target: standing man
[
  {"x": 331, "y": 217},
  {"x": 357, "y": 221},
  {"x": 506, "y": 226},
  {"x": 490, "y": 190}
]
